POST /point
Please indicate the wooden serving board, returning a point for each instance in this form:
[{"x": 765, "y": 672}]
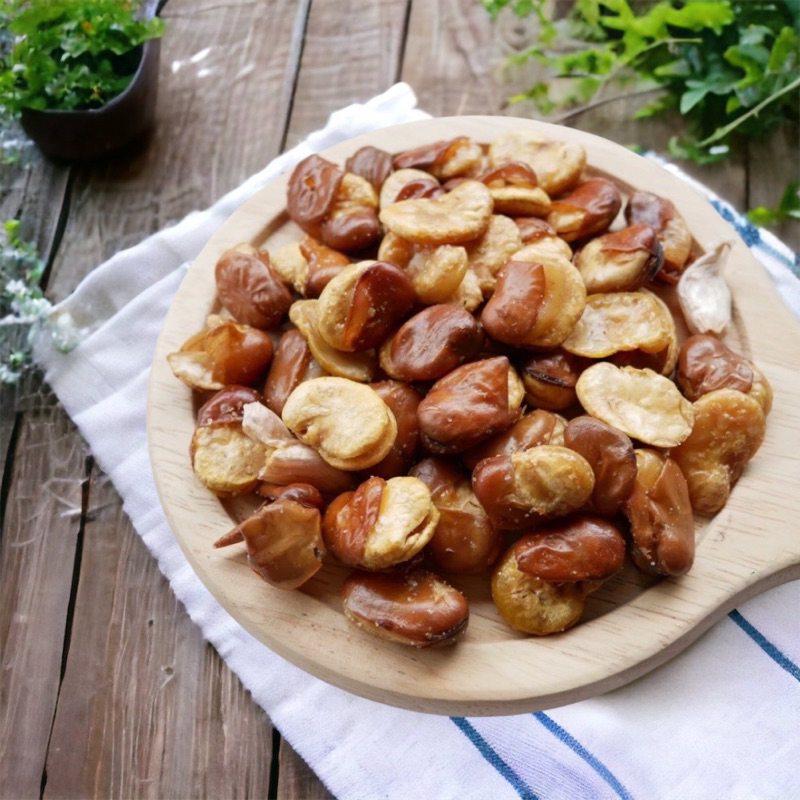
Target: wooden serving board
[{"x": 632, "y": 625}]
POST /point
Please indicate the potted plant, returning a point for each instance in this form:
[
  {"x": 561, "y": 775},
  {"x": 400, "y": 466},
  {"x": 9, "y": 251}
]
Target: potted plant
[{"x": 80, "y": 74}]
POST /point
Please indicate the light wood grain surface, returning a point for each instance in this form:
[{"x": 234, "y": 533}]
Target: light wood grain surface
[{"x": 239, "y": 81}]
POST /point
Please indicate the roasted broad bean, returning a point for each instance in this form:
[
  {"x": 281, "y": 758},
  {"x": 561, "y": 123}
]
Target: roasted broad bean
[
  {"x": 588, "y": 209},
  {"x": 535, "y": 428},
  {"x": 706, "y": 364},
  {"x": 728, "y": 429},
  {"x": 523, "y": 489},
  {"x": 284, "y": 542},
  {"x": 639, "y": 402},
  {"x": 582, "y": 547},
  {"x": 223, "y": 354},
  {"x": 660, "y": 515},
  {"x": 464, "y": 541},
  {"x": 224, "y": 458},
  {"x": 469, "y": 405},
  {"x": 558, "y": 165},
  {"x": 621, "y": 261},
  {"x": 550, "y": 379},
  {"x": 372, "y": 164},
  {"x": 359, "y": 307},
  {"x": 533, "y": 605},
  {"x": 346, "y": 422},
  {"x": 611, "y": 457},
  {"x": 432, "y": 343},
  {"x": 291, "y": 365},
  {"x": 353, "y": 366},
  {"x": 351, "y": 224},
  {"x": 312, "y": 191},
  {"x": 453, "y": 218},
  {"x": 673, "y": 233},
  {"x": 382, "y": 524},
  {"x": 403, "y": 402},
  {"x": 416, "y": 608},
  {"x": 249, "y": 288}
]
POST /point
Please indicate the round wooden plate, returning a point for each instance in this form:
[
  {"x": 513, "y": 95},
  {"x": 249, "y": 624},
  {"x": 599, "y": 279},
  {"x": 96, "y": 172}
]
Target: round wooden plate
[{"x": 632, "y": 624}]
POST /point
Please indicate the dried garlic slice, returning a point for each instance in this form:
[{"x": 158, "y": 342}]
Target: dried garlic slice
[{"x": 645, "y": 405}]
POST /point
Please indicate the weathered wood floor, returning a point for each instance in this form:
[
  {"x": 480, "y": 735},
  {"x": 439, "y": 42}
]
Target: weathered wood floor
[{"x": 106, "y": 687}]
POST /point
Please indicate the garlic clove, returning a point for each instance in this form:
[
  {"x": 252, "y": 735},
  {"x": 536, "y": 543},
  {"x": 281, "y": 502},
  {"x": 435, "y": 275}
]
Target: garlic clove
[{"x": 704, "y": 296}]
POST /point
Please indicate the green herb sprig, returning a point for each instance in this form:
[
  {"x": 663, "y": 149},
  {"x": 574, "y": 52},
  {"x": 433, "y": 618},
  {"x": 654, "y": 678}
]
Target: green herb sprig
[
  {"x": 69, "y": 54},
  {"x": 730, "y": 67},
  {"x": 23, "y": 306}
]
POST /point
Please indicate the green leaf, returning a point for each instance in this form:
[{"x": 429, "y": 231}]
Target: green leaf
[
  {"x": 788, "y": 208},
  {"x": 784, "y": 50}
]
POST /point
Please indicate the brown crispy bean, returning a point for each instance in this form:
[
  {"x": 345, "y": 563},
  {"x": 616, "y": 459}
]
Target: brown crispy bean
[
  {"x": 729, "y": 428},
  {"x": 706, "y": 364},
  {"x": 222, "y": 355},
  {"x": 676, "y": 240},
  {"x": 417, "y": 608},
  {"x": 537, "y": 427},
  {"x": 589, "y": 208},
  {"x": 324, "y": 264},
  {"x": 469, "y": 405},
  {"x": 660, "y": 514},
  {"x": 532, "y": 605},
  {"x": 359, "y": 307},
  {"x": 621, "y": 261},
  {"x": 381, "y": 524},
  {"x": 611, "y": 457},
  {"x": 550, "y": 379},
  {"x": 303, "y": 493},
  {"x": 370, "y": 163},
  {"x": 511, "y": 312},
  {"x": 432, "y": 343},
  {"x": 226, "y": 406},
  {"x": 523, "y": 489},
  {"x": 464, "y": 541},
  {"x": 284, "y": 542},
  {"x": 403, "y": 402},
  {"x": 291, "y": 365},
  {"x": 250, "y": 289},
  {"x": 312, "y": 190},
  {"x": 582, "y": 547}
]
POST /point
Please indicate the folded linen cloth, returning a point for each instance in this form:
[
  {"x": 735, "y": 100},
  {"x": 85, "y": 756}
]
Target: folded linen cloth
[{"x": 719, "y": 720}]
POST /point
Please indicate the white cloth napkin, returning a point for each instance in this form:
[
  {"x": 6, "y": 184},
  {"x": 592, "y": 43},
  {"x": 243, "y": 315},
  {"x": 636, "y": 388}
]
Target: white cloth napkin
[{"x": 722, "y": 720}]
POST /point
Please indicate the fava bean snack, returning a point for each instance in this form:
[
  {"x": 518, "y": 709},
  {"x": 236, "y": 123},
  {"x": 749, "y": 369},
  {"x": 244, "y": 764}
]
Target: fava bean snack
[{"x": 472, "y": 361}]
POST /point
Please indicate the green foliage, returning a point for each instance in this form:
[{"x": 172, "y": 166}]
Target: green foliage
[
  {"x": 730, "y": 67},
  {"x": 788, "y": 208},
  {"x": 69, "y": 54}
]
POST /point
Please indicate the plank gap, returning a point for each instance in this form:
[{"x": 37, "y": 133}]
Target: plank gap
[
  {"x": 272, "y": 792},
  {"x": 61, "y": 226},
  {"x": 73, "y": 593},
  {"x": 8, "y": 469},
  {"x": 403, "y": 39},
  {"x": 296, "y": 59},
  {"x": 76, "y": 566}
]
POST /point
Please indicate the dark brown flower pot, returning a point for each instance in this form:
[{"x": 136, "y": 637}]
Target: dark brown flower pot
[{"x": 90, "y": 134}]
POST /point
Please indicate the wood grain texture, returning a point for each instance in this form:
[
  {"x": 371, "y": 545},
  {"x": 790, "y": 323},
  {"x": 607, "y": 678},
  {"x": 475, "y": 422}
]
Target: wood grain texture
[
  {"x": 42, "y": 519},
  {"x": 147, "y": 709},
  {"x": 351, "y": 52},
  {"x": 296, "y": 781},
  {"x": 225, "y": 86},
  {"x": 771, "y": 165},
  {"x": 735, "y": 560}
]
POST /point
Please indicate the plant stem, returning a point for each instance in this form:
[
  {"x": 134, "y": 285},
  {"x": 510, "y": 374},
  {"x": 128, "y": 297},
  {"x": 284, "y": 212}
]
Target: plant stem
[{"x": 722, "y": 132}]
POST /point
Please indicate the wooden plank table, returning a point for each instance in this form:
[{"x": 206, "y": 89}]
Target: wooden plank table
[{"x": 107, "y": 689}]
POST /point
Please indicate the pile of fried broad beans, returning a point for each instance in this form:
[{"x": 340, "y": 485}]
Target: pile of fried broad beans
[{"x": 465, "y": 365}]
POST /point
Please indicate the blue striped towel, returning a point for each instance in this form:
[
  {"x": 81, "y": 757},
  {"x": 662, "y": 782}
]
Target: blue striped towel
[{"x": 721, "y": 720}]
